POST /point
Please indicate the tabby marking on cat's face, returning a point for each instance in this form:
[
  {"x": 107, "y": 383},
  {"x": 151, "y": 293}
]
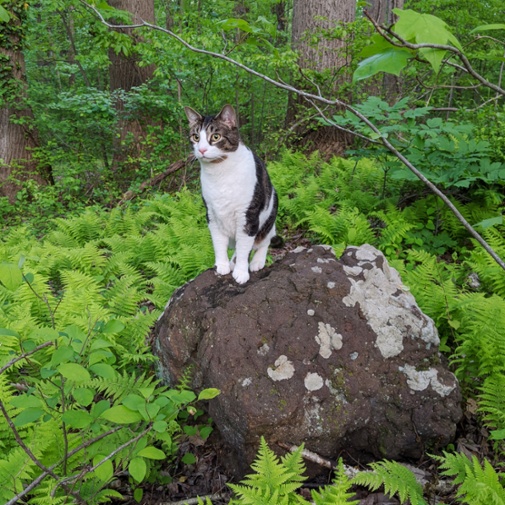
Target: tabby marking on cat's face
[{"x": 212, "y": 136}]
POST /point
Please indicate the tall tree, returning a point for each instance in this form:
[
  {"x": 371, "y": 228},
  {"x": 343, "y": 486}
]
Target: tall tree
[
  {"x": 319, "y": 39},
  {"x": 17, "y": 136},
  {"x": 126, "y": 73}
]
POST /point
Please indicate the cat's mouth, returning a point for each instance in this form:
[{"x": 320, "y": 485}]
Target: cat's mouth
[{"x": 217, "y": 159}]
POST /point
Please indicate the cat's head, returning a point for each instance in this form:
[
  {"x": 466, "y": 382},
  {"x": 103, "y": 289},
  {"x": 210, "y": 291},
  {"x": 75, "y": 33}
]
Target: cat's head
[{"x": 213, "y": 137}]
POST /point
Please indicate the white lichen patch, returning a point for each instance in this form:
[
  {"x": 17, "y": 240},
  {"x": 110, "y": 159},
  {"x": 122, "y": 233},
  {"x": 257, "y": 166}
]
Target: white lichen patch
[
  {"x": 419, "y": 380},
  {"x": 313, "y": 381},
  {"x": 330, "y": 285},
  {"x": 390, "y": 310},
  {"x": 310, "y": 312},
  {"x": 317, "y": 270},
  {"x": 312, "y": 416},
  {"x": 283, "y": 369},
  {"x": 246, "y": 382},
  {"x": 354, "y": 356},
  {"x": 328, "y": 340},
  {"x": 263, "y": 350},
  {"x": 325, "y": 260}
]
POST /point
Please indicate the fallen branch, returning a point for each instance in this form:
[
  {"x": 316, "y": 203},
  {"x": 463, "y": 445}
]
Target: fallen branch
[{"x": 174, "y": 167}]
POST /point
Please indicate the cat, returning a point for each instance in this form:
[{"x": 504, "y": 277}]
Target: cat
[{"x": 239, "y": 198}]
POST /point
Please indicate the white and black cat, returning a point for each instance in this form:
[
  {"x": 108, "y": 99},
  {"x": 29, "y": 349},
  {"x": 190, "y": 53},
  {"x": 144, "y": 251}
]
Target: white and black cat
[{"x": 240, "y": 200}]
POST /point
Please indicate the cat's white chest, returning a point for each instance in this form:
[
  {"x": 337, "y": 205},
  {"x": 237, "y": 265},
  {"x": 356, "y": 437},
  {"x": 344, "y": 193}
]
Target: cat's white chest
[{"x": 228, "y": 187}]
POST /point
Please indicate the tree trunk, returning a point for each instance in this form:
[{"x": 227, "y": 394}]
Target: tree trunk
[
  {"x": 388, "y": 86},
  {"x": 322, "y": 49},
  {"x": 17, "y": 137},
  {"x": 125, "y": 74}
]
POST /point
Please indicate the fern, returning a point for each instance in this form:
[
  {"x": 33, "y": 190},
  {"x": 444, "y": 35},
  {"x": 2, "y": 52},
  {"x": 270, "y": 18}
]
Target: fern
[
  {"x": 274, "y": 482},
  {"x": 338, "y": 493},
  {"x": 396, "y": 479},
  {"x": 478, "y": 484},
  {"x": 492, "y": 403}
]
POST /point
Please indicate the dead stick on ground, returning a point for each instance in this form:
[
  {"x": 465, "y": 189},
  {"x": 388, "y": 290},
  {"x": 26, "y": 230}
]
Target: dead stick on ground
[
  {"x": 174, "y": 167},
  {"x": 319, "y": 460}
]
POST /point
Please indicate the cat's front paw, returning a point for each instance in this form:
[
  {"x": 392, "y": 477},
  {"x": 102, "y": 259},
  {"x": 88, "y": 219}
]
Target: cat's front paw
[
  {"x": 223, "y": 268},
  {"x": 241, "y": 276}
]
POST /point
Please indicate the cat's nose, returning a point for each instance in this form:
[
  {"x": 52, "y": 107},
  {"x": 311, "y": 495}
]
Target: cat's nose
[{"x": 202, "y": 150}]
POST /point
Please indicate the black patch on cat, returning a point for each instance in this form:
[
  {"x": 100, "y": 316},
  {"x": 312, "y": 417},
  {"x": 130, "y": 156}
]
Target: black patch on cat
[
  {"x": 206, "y": 210},
  {"x": 263, "y": 192}
]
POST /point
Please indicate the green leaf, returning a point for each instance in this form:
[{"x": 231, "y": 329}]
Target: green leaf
[
  {"x": 78, "y": 419},
  {"x": 138, "y": 469},
  {"x": 425, "y": 29},
  {"x": 138, "y": 494},
  {"x": 28, "y": 415},
  {"x": 26, "y": 401},
  {"x": 189, "y": 458},
  {"x": 113, "y": 326},
  {"x": 120, "y": 414},
  {"x": 484, "y": 28},
  {"x": 63, "y": 354},
  {"x": 208, "y": 394},
  {"x": 151, "y": 452},
  {"x": 103, "y": 370},
  {"x": 74, "y": 372},
  {"x": 4, "y": 15},
  {"x": 105, "y": 471},
  {"x": 8, "y": 333},
  {"x": 134, "y": 402},
  {"x": 10, "y": 276},
  {"x": 83, "y": 396},
  {"x": 160, "y": 426}
]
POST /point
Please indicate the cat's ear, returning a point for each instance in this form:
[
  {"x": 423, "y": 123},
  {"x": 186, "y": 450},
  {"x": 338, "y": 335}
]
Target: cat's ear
[
  {"x": 192, "y": 115},
  {"x": 228, "y": 116}
]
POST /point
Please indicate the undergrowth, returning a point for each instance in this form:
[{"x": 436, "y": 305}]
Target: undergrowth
[{"x": 79, "y": 400}]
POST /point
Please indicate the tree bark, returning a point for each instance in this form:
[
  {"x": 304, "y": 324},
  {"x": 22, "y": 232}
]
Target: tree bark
[
  {"x": 320, "y": 49},
  {"x": 125, "y": 73},
  {"x": 17, "y": 136}
]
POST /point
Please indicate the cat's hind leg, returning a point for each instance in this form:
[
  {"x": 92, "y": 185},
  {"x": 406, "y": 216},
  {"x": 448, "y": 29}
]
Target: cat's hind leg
[{"x": 260, "y": 255}]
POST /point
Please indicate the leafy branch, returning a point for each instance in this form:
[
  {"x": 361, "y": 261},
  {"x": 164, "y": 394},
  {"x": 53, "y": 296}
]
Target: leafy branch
[{"x": 313, "y": 98}]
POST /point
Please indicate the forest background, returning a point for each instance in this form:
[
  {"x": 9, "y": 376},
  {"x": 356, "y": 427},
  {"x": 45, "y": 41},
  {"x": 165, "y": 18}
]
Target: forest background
[{"x": 101, "y": 218}]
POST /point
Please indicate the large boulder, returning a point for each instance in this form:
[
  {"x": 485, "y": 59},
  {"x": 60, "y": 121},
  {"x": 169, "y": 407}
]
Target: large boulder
[{"x": 332, "y": 353}]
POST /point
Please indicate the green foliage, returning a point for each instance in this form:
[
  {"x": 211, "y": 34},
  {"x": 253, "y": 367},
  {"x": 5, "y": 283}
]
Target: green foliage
[
  {"x": 79, "y": 305},
  {"x": 274, "y": 481},
  {"x": 338, "y": 493},
  {"x": 445, "y": 152},
  {"x": 396, "y": 479},
  {"x": 477, "y": 484}
]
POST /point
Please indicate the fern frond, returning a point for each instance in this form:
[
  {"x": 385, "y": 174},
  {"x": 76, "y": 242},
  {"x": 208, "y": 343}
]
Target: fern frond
[
  {"x": 338, "y": 492},
  {"x": 275, "y": 481},
  {"x": 478, "y": 484},
  {"x": 396, "y": 479},
  {"x": 492, "y": 401}
]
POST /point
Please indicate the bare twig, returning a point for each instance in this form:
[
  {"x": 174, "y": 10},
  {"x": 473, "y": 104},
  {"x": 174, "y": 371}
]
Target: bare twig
[
  {"x": 44, "y": 474},
  {"x": 24, "y": 355},
  {"x": 32, "y": 456}
]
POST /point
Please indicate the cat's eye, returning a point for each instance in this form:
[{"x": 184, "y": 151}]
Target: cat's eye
[
  {"x": 195, "y": 137},
  {"x": 216, "y": 137}
]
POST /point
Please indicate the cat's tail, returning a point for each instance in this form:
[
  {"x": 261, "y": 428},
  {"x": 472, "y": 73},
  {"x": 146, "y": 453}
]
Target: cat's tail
[{"x": 277, "y": 242}]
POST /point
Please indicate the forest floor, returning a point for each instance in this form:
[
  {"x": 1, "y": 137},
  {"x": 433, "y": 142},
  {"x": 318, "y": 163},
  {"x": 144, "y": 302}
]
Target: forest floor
[{"x": 209, "y": 476}]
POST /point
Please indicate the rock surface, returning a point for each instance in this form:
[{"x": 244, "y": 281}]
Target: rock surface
[{"x": 331, "y": 353}]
